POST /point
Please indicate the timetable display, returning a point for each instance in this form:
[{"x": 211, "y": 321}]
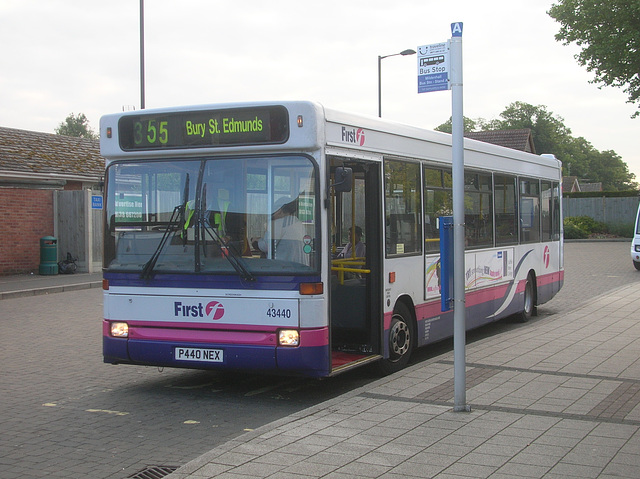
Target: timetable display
[{"x": 204, "y": 128}]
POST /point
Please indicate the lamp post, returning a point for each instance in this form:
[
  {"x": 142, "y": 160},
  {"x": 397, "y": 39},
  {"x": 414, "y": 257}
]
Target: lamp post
[
  {"x": 142, "y": 55},
  {"x": 403, "y": 53}
]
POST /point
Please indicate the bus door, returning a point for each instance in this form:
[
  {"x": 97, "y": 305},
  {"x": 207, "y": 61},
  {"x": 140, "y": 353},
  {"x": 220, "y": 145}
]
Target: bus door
[{"x": 356, "y": 266}]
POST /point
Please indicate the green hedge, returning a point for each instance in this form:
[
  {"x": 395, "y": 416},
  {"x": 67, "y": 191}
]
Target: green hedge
[
  {"x": 571, "y": 231},
  {"x": 581, "y": 227}
]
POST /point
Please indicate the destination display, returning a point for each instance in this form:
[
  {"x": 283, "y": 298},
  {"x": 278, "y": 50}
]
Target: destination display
[{"x": 204, "y": 128}]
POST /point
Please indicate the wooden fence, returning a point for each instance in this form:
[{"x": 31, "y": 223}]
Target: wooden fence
[
  {"x": 78, "y": 228},
  {"x": 612, "y": 211}
]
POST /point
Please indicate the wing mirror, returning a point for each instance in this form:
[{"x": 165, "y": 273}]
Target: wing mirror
[{"x": 342, "y": 178}]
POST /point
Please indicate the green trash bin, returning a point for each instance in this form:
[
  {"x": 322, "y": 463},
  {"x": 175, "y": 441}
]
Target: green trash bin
[{"x": 48, "y": 255}]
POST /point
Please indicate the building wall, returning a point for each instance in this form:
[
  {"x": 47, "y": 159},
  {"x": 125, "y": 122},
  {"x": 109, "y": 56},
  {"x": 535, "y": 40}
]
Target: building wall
[{"x": 26, "y": 215}]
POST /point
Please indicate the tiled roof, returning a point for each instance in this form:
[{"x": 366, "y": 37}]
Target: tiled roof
[
  {"x": 591, "y": 186},
  {"x": 515, "y": 139},
  {"x": 570, "y": 184},
  {"x": 30, "y": 152}
]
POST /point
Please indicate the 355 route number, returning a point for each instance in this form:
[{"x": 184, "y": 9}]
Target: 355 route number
[{"x": 155, "y": 132}]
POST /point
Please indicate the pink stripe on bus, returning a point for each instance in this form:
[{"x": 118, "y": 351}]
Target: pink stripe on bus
[
  {"x": 314, "y": 337},
  {"x": 473, "y": 298},
  {"x": 308, "y": 337}
]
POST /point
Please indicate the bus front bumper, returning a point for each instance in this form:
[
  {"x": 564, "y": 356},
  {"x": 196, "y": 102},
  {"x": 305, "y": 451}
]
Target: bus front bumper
[{"x": 311, "y": 361}]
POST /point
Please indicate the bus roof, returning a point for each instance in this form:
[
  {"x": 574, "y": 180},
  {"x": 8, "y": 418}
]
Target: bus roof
[
  {"x": 313, "y": 126},
  {"x": 396, "y": 139}
]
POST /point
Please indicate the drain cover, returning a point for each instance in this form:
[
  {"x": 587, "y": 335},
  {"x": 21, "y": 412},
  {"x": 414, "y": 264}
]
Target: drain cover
[{"x": 153, "y": 472}]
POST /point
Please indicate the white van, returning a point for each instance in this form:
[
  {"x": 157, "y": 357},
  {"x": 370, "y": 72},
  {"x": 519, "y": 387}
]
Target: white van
[{"x": 635, "y": 243}]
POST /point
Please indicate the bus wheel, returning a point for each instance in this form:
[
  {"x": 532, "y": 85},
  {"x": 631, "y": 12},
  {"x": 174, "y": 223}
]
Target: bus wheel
[
  {"x": 529, "y": 307},
  {"x": 637, "y": 265},
  {"x": 402, "y": 339}
]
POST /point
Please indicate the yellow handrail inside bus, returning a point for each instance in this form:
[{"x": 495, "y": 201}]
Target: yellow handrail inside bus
[{"x": 348, "y": 265}]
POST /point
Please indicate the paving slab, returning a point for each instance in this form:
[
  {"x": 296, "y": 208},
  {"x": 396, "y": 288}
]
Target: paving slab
[
  {"x": 556, "y": 397},
  {"x": 18, "y": 286}
]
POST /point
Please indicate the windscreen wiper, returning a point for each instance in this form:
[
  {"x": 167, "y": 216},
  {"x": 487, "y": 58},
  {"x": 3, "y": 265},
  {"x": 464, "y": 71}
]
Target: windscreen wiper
[
  {"x": 176, "y": 221},
  {"x": 178, "y": 218},
  {"x": 230, "y": 252},
  {"x": 201, "y": 237}
]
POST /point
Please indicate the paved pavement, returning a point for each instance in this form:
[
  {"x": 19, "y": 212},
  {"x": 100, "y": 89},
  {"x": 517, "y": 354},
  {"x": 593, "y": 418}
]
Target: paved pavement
[
  {"x": 16, "y": 286},
  {"x": 556, "y": 397}
]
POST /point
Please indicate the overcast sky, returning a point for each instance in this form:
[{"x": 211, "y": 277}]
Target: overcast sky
[{"x": 82, "y": 56}]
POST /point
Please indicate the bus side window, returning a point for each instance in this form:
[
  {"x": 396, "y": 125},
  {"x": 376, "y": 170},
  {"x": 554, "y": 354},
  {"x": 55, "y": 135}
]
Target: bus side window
[
  {"x": 506, "y": 208},
  {"x": 402, "y": 208},
  {"x": 529, "y": 210},
  {"x": 438, "y": 201},
  {"x": 478, "y": 210}
]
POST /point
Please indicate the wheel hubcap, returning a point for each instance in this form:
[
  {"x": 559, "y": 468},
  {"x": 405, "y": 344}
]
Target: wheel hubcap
[{"x": 400, "y": 338}]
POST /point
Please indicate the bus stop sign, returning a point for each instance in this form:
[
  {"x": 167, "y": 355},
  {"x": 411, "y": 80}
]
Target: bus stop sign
[{"x": 433, "y": 67}]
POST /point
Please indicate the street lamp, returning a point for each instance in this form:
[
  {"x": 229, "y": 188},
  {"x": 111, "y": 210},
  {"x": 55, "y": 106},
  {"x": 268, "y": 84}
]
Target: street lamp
[
  {"x": 403, "y": 53},
  {"x": 142, "y": 54}
]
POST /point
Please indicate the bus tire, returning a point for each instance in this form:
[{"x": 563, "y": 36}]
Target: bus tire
[
  {"x": 529, "y": 304},
  {"x": 637, "y": 265},
  {"x": 402, "y": 340}
]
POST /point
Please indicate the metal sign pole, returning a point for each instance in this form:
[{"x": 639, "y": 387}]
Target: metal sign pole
[
  {"x": 457, "y": 138},
  {"x": 440, "y": 68}
]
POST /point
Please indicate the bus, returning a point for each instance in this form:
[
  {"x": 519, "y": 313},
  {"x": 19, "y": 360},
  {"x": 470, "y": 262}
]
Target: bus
[
  {"x": 433, "y": 60},
  {"x": 227, "y": 229}
]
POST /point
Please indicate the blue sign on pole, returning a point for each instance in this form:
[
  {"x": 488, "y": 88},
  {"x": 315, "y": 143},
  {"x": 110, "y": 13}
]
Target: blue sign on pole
[
  {"x": 456, "y": 29},
  {"x": 436, "y": 82},
  {"x": 433, "y": 67},
  {"x": 96, "y": 202},
  {"x": 446, "y": 263}
]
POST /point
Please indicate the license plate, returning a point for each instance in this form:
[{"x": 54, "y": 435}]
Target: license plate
[{"x": 199, "y": 354}]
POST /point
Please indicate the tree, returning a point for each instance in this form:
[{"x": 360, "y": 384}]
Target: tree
[
  {"x": 77, "y": 126},
  {"x": 550, "y": 135},
  {"x": 470, "y": 124},
  {"x": 609, "y": 168},
  {"x": 609, "y": 34},
  {"x": 447, "y": 127}
]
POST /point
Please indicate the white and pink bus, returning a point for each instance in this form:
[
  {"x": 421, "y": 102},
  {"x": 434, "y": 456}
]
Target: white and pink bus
[{"x": 229, "y": 229}]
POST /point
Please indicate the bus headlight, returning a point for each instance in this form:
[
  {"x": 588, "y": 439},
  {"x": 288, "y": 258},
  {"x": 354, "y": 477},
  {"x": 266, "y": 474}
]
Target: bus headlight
[
  {"x": 119, "y": 330},
  {"x": 288, "y": 337}
]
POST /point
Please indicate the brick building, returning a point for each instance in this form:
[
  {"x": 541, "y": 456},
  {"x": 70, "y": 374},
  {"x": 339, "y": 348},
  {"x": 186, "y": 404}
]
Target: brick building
[{"x": 32, "y": 167}]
